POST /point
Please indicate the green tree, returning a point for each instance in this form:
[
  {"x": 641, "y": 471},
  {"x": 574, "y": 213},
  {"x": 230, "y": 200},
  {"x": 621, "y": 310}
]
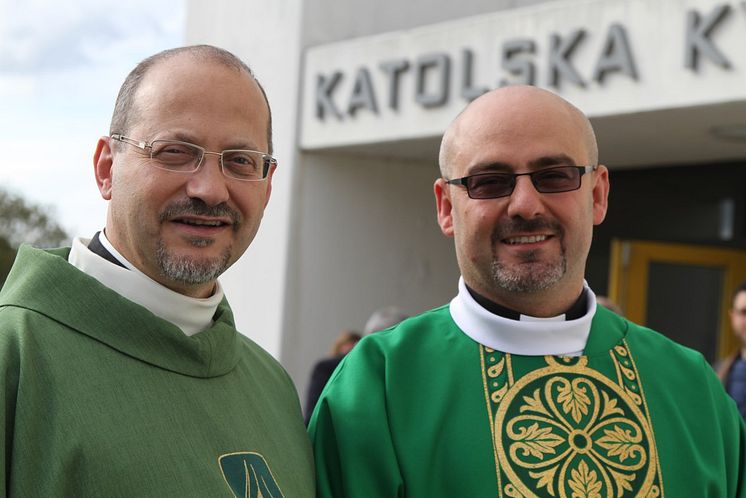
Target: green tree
[{"x": 24, "y": 222}]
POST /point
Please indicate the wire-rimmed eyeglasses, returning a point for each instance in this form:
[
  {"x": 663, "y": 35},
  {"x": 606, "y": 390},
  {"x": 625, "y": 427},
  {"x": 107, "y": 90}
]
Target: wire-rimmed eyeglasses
[
  {"x": 184, "y": 157},
  {"x": 547, "y": 181}
]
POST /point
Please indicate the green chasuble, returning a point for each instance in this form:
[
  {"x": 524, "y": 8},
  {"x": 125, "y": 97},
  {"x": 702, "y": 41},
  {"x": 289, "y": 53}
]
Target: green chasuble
[
  {"x": 101, "y": 398},
  {"x": 421, "y": 410}
]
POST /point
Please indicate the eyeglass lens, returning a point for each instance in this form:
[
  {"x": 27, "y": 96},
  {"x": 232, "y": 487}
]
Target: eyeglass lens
[
  {"x": 552, "y": 180},
  {"x": 180, "y": 156}
]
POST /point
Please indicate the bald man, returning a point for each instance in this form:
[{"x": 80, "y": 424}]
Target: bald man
[{"x": 522, "y": 385}]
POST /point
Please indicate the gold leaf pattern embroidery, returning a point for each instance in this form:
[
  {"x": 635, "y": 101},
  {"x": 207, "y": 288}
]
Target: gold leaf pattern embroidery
[
  {"x": 545, "y": 479},
  {"x": 622, "y": 481},
  {"x": 610, "y": 407},
  {"x": 571, "y": 432},
  {"x": 537, "y": 441},
  {"x": 584, "y": 482},
  {"x": 620, "y": 442},
  {"x": 534, "y": 403},
  {"x": 574, "y": 399}
]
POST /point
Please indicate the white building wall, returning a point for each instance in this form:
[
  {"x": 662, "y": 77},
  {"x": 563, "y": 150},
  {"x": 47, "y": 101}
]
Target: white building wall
[{"x": 368, "y": 238}]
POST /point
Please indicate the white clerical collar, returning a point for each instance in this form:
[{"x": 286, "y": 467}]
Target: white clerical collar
[
  {"x": 191, "y": 315},
  {"x": 531, "y": 336}
]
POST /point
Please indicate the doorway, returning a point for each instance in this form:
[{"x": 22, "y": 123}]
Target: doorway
[{"x": 682, "y": 291}]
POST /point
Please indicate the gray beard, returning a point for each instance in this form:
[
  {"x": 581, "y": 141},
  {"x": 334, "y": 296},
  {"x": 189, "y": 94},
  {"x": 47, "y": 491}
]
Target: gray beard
[
  {"x": 531, "y": 274},
  {"x": 191, "y": 271},
  {"x": 528, "y": 276},
  {"x": 188, "y": 270}
]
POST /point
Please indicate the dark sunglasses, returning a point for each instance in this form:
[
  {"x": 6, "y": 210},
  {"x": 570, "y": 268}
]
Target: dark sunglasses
[{"x": 547, "y": 181}]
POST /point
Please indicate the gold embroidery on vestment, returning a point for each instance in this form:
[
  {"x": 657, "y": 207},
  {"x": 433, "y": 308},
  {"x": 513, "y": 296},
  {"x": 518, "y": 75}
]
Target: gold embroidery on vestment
[
  {"x": 482, "y": 351},
  {"x": 566, "y": 430}
]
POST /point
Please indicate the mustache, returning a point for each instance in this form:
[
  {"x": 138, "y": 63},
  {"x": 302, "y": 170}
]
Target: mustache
[
  {"x": 198, "y": 207},
  {"x": 520, "y": 225}
]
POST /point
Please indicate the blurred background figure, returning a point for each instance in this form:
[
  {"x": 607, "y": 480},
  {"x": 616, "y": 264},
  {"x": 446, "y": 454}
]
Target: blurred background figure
[
  {"x": 321, "y": 372},
  {"x": 384, "y": 318},
  {"x": 732, "y": 371},
  {"x": 609, "y": 304},
  {"x": 380, "y": 319},
  {"x": 344, "y": 343}
]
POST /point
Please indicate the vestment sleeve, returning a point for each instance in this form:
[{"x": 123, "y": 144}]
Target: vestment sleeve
[
  {"x": 9, "y": 384},
  {"x": 350, "y": 431},
  {"x": 740, "y": 464},
  {"x": 733, "y": 429}
]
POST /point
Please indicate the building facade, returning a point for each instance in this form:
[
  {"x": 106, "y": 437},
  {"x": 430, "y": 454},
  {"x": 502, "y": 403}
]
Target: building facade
[{"x": 362, "y": 91}]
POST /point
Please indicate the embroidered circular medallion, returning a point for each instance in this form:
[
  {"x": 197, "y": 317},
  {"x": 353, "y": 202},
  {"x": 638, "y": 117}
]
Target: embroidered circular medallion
[{"x": 568, "y": 431}]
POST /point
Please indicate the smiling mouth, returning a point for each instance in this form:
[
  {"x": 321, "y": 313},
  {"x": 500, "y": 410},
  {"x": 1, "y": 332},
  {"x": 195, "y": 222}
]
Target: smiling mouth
[
  {"x": 525, "y": 239},
  {"x": 201, "y": 223}
]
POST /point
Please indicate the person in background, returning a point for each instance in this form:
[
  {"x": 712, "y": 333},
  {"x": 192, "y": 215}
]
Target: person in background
[
  {"x": 380, "y": 319},
  {"x": 383, "y": 318},
  {"x": 324, "y": 368},
  {"x": 522, "y": 385},
  {"x": 123, "y": 373},
  {"x": 344, "y": 343},
  {"x": 732, "y": 371}
]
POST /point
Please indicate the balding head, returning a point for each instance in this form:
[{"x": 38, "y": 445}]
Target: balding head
[
  {"x": 512, "y": 109},
  {"x": 125, "y": 109}
]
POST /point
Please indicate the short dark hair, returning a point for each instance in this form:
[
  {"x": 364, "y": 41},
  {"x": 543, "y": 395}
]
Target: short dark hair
[
  {"x": 123, "y": 117},
  {"x": 741, "y": 288}
]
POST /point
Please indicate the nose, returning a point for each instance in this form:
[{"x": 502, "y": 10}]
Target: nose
[
  {"x": 208, "y": 183},
  {"x": 525, "y": 201}
]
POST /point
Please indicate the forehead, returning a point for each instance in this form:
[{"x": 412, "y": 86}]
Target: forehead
[
  {"x": 187, "y": 92},
  {"x": 517, "y": 131}
]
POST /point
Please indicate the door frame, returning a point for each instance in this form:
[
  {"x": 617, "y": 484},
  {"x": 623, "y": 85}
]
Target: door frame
[{"x": 629, "y": 269}]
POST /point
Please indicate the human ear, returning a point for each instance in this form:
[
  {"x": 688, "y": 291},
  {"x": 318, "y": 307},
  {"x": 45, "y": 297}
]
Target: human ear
[
  {"x": 444, "y": 207},
  {"x": 102, "y": 166},
  {"x": 600, "y": 194}
]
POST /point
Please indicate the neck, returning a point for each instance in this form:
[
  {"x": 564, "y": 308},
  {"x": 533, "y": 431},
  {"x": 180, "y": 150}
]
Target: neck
[
  {"x": 543, "y": 304},
  {"x": 575, "y": 311},
  {"x": 198, "y": 291}
]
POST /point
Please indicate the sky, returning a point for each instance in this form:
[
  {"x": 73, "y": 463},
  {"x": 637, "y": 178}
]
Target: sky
[{"x": 61, "y": 66}]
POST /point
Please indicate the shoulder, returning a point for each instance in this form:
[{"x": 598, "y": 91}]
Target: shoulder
[
  {"x": 21, "y": 326},
  {"x": 41, "y": 279},
  {"x": 669, "y": 367},
  {"x": 417, "y": 331},
  {"x": 414, "y": 343},
  {"x": 250, "y": 349},
  {"x": 255, "y": 358},
  {"x": 651, "y": 343}
]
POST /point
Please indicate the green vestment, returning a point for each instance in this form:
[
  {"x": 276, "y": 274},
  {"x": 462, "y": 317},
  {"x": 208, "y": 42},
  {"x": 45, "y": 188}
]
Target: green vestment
[
  {"x": 101, "y": 398},
  {"x": 421, "y": 410}
]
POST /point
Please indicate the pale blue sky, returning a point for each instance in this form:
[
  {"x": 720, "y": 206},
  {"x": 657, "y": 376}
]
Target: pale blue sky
[{"x": 61, "y": 65}]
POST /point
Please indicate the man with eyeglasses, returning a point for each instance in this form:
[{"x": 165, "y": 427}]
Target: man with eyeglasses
[
  {"x": 522, "y": 386},
  {"x": 123, "y": 372}
]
